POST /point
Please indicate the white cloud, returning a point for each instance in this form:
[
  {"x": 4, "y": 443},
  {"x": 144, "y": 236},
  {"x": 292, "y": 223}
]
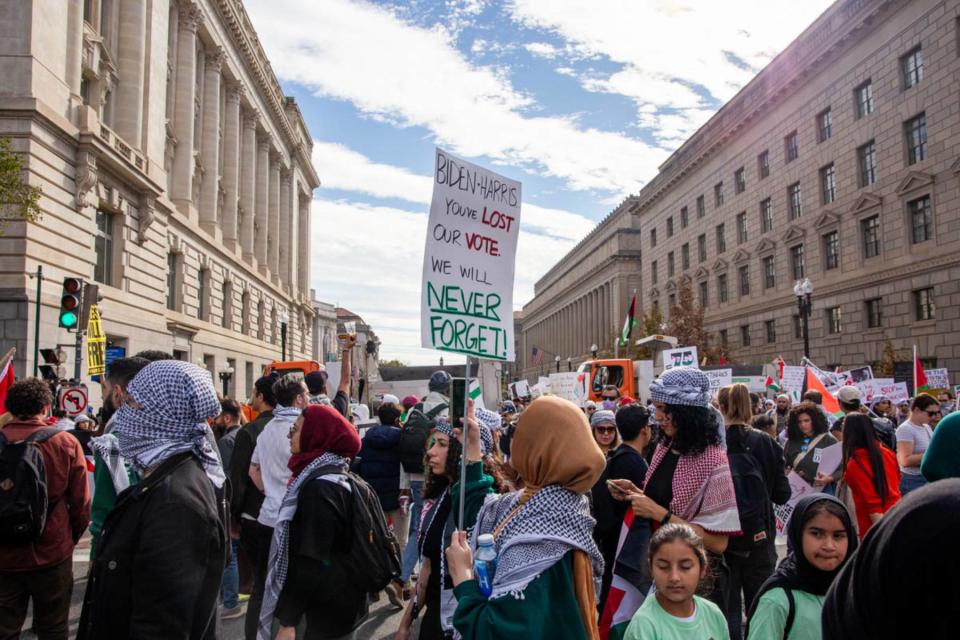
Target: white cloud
[
  {"x": 340, "y": 167},
  {"x": 413, "y": 76},
  {"x": 542, "y": 50}
]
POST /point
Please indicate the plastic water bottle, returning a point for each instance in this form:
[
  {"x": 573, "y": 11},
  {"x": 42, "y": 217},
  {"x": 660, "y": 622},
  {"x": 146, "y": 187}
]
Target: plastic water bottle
[{"x": 485, "y": 564}]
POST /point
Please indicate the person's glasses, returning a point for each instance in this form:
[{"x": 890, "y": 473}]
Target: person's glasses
[
  {"x": 609, "y": 398},
  {"x": 606, "y": 429},
  {"x": 932, "y": 413}
]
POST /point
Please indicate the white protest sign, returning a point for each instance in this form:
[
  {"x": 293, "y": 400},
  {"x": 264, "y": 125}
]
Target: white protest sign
[
  {"x": 468, "y": 263},
  {"x": 719, "y": 378},
  {"x": 938, "y": 378},
  {"x": 680, "y": 357},
  {"x": 564, "y": 385},
  {"x": 544, "y": 383},
  {"x": 829, "y": 458},
  {"x": 521, "y": 389},
  {"x": 900, "y": 393},
  {"x": 792, "y": 381}
]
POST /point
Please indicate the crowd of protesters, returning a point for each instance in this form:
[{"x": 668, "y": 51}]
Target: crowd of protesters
[{"x": 298, "y": 521}]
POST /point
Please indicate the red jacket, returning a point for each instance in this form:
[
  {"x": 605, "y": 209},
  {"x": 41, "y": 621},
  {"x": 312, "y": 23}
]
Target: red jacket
[
  {"x": 69, "y": 496},
  {"x": 859, "y": 477}
]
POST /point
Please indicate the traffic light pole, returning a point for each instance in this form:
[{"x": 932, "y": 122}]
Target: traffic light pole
[
  {"x": 78, "y": 355},
  {"x": 36, "y": 326}
]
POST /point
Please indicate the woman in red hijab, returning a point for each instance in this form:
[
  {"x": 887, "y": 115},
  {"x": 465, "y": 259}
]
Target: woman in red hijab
[{"x": 308, "y": 576}]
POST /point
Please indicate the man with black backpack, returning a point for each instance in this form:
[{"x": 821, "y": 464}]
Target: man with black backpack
[
  {"x": 759, "y": 481},
  {"x": 412, "y": 448},
  {"x": 44, "y": 509}
]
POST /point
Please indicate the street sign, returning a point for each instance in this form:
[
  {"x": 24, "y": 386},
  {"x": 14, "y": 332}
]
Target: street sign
[{"x": 73, "y": 400}]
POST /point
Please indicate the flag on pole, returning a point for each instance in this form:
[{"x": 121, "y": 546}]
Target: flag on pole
[
  {"x": 830, "y": 404},
  {"x": 537, "y": 357},
  {"x": 773, "y": 386},
  {"x": 630, "y": 322},
  {"x": 631, "y": 578},
  {"x": 6, "y": 381},
  {"x": 920, "y": 383}
]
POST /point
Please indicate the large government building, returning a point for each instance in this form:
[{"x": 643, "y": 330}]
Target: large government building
[
  {"x": 840, "y": 163},
  {"x": 175, "y": 174}
]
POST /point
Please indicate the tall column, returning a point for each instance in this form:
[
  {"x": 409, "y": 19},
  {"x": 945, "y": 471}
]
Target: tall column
[
  {"x": 273, "y": 217},
  {"x": 128, "y": 113},
  {"x": 303, "y": 240},
  {"x": 74, "y": 39},
  {"x": 263, "y": 185},
  {"x": 190, "y": 19},
  {"x": 231, "y": 166},
  {"x": 210, "y": 144},
  {"x": 248, "y": 186},
  {"x": 286, "y": 224}
]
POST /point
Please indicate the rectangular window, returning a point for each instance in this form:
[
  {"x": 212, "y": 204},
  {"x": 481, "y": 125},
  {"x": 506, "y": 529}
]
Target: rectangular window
[
  {"x": 172, "y": 281},
  {"x": 791, "y": 147},
  {"x": 771, "y": 326},
  {"x": 702, "y": 247},
  {"x": 741, "y": 227},
  {"x": 766, "y": 215},
  {"x": 794, "y": 201},
  {"x": 103, "y": 245},
  {"x": 670, "y": 227},
  {"x": 704, "y": 294},
  {"x": 653, "y": 237},
  {"x": 921, "y": 219},
  {"x": 744, "y": 272},
  {"x": 226, "y": 293},
  {"x": 653, "y": 272},
  {"x": 867, "y": 161},
  {"x": 739, "y": 181},
  {"x": 874, "y": 313},
  {"x": 670, "y": 265},
  {"x": 824, "y": 125},
  {"x": 724, "y": 337},
  {"x": 912, "y": 67},
  {"x": 745, "y": 335},
  {"x": 203, "y": 293},
  {"x": 685, "y": 255},
  {"x": 718, "y": 194},
  {"x": 722, "y": 287},
  {"x": 871, "y": 236},
  {"x": 701, "y": 206},
  {"x": 721, "y": 240},
  {"x": 763, "y": 164},
  {"x": 834, "y": 324},
  {"x": 924, "y": 307},
  {"x": 797, "y": 328},
  {"x": 863, "y": 98},
  {"x": 769, "y": 273},
  {"x": 672, "y": 301},
  {"x": 915, "y": 131},
  {"x": 831, "y": 250},
  {"x": 828, "y": 184},
  {"x": 684, "y": 218},
  {"x": 797, "y": 262}
]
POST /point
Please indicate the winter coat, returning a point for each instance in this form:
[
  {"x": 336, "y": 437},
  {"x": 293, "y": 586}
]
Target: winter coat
[{"x": 379, "y": 464}]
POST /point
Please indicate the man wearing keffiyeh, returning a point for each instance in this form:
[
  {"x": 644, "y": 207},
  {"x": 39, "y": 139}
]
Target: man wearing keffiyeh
[{"x": 161, "y": 557}]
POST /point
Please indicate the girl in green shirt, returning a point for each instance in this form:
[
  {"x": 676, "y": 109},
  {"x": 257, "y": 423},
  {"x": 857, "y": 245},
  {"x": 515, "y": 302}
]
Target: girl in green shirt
[
  {"x": 789, "y": 603},
  {"x": 678, "y": 563}
]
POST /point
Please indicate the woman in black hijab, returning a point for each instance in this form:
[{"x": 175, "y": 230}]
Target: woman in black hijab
[
  {"x": 903, "y": 581},
  {"x": 790, "y": 602}
]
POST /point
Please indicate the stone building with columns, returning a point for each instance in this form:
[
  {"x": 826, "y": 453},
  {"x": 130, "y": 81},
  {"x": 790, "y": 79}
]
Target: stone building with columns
[
  {"x": 175, "y": 174},
  {"x": 839, "y": 162}
]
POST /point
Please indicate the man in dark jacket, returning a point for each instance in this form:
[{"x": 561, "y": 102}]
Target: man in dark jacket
[
  {"x": 163, "y": 549},
  {"x": 379, "y": 464},
  {"x": 247, "y": 498},
  {"x": 228, "y": 424}
]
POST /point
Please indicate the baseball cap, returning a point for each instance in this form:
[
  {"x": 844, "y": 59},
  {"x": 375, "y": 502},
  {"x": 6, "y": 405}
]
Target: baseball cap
[
  {"x": 508, "y": 407},
  {"x": 409, "y": 402},
  {"x": 439, "y": 381},
  {"x": 849, "y": 395},
  {"x": 389, "y": 398}
]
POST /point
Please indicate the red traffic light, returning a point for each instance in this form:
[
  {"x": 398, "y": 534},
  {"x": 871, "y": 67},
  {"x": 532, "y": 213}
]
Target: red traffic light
[
  {"x": 69, "y": 302},
  {"x": 72, "y": 285}
]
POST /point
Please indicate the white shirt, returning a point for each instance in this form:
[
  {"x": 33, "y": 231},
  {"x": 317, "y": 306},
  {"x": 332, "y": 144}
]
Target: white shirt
[
  {"x": 919, "y": 435},
  {"x": 272, "y": 454}
]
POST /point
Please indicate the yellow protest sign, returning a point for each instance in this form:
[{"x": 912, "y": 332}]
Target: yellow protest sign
[{"x": 96, "y": 343}]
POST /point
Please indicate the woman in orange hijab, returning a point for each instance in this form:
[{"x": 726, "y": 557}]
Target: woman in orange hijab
[{"x": 547, "y": 561}]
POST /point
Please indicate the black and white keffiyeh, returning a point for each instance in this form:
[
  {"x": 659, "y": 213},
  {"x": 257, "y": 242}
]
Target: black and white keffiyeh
[
  {"x": 174, "y": 399},
  {"x": 681, "y": 385},
  {"x": 330, "y": 467},
  {"x": 552, "y": 522},
  {"x": 108, "y": 448}
]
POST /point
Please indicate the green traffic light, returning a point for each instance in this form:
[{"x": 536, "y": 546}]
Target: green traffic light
[{"x": 68, "y": 319}]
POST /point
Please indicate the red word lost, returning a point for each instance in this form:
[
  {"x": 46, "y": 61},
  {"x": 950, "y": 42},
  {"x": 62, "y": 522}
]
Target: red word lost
[{"x": 485, "y": 244}]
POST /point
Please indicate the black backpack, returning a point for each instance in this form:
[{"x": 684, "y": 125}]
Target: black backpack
[
  {"x": 413, "y": 438},
  {"x": 750, "y": 487},
  {"x": 24, "y": 504},
  {"x": 374, "y": 557}
]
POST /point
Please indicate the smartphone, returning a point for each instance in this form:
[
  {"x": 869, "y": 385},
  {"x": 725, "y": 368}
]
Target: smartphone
[{"x": 458, "y": 388}]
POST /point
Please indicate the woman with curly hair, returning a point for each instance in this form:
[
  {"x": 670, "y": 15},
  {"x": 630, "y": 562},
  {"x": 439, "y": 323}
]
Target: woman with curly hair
[{"x": 807, "y": 431}]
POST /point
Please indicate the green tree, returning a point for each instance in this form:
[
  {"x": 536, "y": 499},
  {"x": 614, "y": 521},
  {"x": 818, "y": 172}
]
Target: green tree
[
  {"x": 650, "y": 324},
  {"x": 888, "y": 359},
  {"x": 18, "y": 200},
  {"x": 392, "y": 363}
]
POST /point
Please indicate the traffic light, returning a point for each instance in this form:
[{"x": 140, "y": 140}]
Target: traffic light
[
  {"x": 70, "y": 303},
  {"x": 53, "y": 364}
]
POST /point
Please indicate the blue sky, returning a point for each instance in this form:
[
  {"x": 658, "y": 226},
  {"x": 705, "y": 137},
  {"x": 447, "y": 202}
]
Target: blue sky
[{"x": 580, "y": 100}]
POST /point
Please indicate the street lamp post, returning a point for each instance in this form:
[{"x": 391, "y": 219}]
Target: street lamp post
[
  {"x": 557, "y": 360},
  {"x": 284, "y": 319},
  {"x": 225, "y": 374},
  {"x": 594, "y": 349},
  {"x": 803, "y": 289}
]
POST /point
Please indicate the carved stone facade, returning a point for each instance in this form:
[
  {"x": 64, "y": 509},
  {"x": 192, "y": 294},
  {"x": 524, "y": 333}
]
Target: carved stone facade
[
  {"x": 143, "y": 133},
  {"x": 862, "y": 211}
]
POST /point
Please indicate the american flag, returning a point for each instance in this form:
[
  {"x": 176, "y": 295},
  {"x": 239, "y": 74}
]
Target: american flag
[{"x": 537, "y": 357}]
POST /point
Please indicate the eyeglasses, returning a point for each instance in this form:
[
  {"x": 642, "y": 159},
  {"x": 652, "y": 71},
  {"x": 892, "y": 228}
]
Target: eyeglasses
[
  {"x": 614, "y": 398},
  {"x": 606, "y": 429},
  {"x": 932, "y": 413}
]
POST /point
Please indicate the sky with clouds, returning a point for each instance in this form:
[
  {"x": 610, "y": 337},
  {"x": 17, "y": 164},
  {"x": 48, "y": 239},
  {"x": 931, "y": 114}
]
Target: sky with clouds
[{"x": 580, "y": 100}]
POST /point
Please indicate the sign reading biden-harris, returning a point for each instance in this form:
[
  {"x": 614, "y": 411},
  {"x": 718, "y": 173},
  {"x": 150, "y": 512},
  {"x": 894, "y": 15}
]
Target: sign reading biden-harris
[{"x": 468, "y": 265}]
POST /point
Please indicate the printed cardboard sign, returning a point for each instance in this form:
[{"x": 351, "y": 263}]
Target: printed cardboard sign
[{"x": 680, "y": 357}]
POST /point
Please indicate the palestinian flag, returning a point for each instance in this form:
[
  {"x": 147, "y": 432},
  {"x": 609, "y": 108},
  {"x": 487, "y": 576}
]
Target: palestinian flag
[
  {"x": 919, "y": 375},
  {"x": 773, "y": 386},
  {"x": 629, "y": 323},
  {"x": 830, "y": 404},
  {"x": 6, "y": 381},
  {"x": 631, "y": 578}
]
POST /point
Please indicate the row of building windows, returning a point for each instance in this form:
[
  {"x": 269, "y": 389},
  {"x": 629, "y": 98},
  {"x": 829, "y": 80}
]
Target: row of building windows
[{"x": 924, "y": 308}]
